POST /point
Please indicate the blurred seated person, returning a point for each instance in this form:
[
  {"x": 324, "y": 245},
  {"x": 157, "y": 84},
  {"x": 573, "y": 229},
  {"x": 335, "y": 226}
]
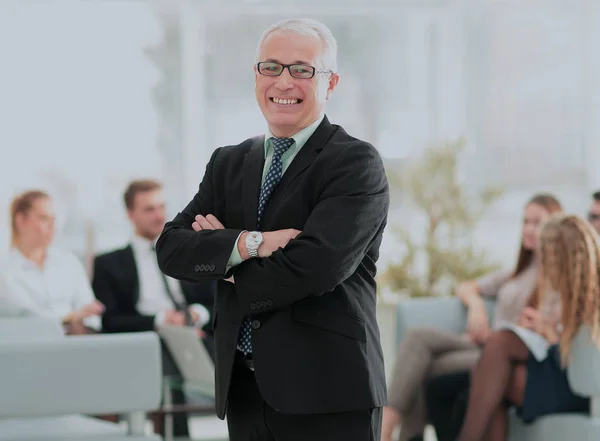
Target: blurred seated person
[
  {"x": 37, "y": 279},
  {"x": 594, "y": 213},
  {"x": 138, "y": 296},
  {"x": 446, "y": 398},
  {"x": 570, "y": 266},
  {"x": 426, "y": 353}
]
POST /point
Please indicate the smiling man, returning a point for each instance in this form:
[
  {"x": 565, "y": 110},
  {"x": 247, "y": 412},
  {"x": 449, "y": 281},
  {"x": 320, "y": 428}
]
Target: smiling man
[{"x": 290, "y": 224}]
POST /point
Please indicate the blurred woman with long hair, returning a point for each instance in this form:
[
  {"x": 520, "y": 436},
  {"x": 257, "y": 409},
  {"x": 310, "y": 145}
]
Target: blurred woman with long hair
[
  {"x": 428, "y": 353},
  {"x": 508, "y": 372}
]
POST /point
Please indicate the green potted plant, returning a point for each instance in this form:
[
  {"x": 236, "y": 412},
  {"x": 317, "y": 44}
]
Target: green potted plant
[{"x": 438, "y": 254}]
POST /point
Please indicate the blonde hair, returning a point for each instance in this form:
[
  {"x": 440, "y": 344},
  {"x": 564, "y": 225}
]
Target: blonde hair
[
  {"x": 570, "y": 255},
  {"x": 21, "y": 204}
]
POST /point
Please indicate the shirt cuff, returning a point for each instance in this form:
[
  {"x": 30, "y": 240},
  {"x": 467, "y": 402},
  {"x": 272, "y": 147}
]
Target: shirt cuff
[
  {"x": 159, "y": 319},
  {"x": 203, "y": 314},
  {"x": 235, "y": 258},
  {"x": 93, "y": 322}
]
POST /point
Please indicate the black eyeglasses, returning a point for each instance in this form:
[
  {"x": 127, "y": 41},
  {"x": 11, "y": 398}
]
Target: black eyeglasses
[{"x": 271, "y": 69}]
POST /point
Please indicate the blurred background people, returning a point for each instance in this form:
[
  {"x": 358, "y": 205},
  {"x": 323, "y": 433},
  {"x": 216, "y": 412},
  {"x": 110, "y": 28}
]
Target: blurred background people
[
  {"x": 38, "y": 279},
  {"x": 508, "y": 373},
  {"x": 138, "y": 296},
  {"x": 427, "y": 353}
]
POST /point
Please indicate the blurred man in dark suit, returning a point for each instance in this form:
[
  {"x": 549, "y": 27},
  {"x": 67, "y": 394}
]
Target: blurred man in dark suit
[{"x": 136, "y": 294}]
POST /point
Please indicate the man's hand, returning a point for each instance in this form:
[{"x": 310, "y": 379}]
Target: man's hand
[
  {"x": 208, "y": 222},
  {"x": 478, "y": 326},
  {"x": 273, "y": 240},
  {"x": 175, "y": 318},
  {"x": 194, "y": 315}
]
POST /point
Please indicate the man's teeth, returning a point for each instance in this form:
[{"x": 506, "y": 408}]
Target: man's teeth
[{"x": 282, "y": 101}]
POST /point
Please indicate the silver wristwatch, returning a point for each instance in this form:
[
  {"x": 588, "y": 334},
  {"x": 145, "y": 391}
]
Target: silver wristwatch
[{"x": 253, "y": 241}]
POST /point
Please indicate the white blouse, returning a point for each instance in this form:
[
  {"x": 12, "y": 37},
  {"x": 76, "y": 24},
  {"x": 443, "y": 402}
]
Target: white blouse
[{"x": 54, "y": 291}]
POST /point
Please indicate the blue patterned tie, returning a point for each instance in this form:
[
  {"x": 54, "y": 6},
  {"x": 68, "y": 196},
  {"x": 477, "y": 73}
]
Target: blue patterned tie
[{"x": 280, "y": 146}]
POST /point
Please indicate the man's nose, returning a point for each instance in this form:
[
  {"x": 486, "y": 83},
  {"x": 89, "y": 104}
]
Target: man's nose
[{"x": 285, "y": 80}]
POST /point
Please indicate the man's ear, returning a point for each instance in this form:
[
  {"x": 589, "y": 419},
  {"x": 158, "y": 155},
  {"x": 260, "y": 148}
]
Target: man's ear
[{"x": 334, "y": 79}]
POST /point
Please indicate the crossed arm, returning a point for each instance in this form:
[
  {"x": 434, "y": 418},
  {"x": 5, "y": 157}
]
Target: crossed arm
[{"x": 350, "y": 213}]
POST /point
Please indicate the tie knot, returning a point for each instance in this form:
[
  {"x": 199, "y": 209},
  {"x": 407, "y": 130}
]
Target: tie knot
[{"x": 280, "y": 145}]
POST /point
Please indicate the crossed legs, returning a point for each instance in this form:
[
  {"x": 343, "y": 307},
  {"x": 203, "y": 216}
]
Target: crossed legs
[
  {"x": 422, "y": 353},
  {"x": 499, "y": 377}
]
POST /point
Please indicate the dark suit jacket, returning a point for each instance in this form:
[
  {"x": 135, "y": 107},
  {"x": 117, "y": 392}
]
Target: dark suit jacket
[
  {"x": 316, "y": 345},
  {"x": 116, "y": 285}
]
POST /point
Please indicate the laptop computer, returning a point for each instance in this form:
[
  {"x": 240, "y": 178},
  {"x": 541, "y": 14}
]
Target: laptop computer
[{"x": 190, "y": 355}]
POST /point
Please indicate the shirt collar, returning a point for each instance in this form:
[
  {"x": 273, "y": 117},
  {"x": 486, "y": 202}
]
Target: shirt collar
[
  {"x": 300, "y": 138},
  {"x": 142, "y": 245}
]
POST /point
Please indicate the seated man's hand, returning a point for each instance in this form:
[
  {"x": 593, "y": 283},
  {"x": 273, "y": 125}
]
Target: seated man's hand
[
  {"x": 174, "y": 318},
  {"x": 194, "y": 315}
]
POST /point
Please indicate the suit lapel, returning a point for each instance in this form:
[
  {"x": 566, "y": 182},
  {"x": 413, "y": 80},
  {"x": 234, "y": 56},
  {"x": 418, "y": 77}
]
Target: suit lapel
[
  {"x": 130, "y": 268},
  {"x": 254, "y": 162},
  {"x": 307, "y": 154}
]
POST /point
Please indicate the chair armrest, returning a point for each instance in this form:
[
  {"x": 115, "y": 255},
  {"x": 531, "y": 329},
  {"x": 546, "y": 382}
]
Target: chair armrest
[
  {"x": 445, "y": 313},
  {"x": 29, "y": 328},
  {"x": 584, "y": 368},
  {"x": 93, "y": 374}
]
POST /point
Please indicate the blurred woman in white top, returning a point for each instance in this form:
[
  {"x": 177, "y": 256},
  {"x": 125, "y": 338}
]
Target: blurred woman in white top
[{"x": 39, "y": 280}]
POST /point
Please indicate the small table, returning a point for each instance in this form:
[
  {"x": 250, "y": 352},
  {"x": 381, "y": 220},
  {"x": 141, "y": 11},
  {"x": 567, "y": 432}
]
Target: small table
[{"x": 170, "y": 383}]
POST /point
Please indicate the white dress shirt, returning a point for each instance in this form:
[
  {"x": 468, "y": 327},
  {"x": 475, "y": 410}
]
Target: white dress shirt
[
  {"x": 57, "y": 289},
  {"x": 154, "y": 299}
]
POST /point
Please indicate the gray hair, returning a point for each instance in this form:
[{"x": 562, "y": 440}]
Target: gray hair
[{"x": 311, "y": 28}]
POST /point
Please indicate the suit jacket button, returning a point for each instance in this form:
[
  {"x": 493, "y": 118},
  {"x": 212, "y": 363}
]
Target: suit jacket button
[
  {"x": 269, "y": 302},
  {"x": 197, "y": 268},
  {"x": 256, "y": 324}
]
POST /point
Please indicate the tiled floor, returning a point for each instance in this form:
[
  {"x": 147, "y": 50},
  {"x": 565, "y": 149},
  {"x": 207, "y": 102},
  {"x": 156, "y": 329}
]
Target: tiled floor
[
  {"x": 213, "y": 429},
  {"x": 208, "y": 428}
]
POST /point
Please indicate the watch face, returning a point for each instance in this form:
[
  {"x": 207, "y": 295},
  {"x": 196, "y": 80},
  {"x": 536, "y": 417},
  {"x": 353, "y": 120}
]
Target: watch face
[{"x": 254, "y": 238}]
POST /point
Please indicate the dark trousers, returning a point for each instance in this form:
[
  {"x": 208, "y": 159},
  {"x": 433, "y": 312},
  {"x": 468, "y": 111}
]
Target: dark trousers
[
  {"x": 447, "y": 398},
  {"x": 250, "y": 418}
]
